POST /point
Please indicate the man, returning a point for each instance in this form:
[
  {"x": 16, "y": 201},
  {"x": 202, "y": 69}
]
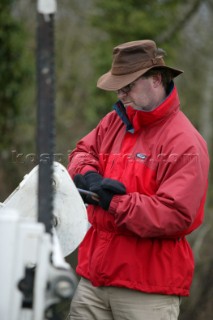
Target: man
[{"x": 148, "y": 166}]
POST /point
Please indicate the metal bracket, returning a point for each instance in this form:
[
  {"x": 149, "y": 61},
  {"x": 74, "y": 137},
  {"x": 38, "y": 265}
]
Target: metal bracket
[{"x": 46, "y": 6}]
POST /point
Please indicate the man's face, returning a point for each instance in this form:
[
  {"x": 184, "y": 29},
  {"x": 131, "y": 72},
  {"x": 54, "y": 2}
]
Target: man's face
[{"x": 141, "y": 94}]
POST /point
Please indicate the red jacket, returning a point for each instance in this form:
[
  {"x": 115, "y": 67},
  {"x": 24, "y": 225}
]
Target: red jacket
[{"x": 140, "y": 242}]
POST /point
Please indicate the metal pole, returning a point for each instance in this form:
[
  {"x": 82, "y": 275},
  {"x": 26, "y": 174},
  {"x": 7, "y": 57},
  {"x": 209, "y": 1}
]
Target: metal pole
[{"x": 46, "y": 109}]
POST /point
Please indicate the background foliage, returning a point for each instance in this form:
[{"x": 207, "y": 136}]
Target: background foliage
[{"x": 86, "y": 32}]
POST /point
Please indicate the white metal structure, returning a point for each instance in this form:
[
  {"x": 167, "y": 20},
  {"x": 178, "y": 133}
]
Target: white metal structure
[{"x": 70, "y": 217}]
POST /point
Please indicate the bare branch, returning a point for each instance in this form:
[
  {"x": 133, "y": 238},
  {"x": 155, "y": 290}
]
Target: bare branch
[{"x": 180, "y": 24}]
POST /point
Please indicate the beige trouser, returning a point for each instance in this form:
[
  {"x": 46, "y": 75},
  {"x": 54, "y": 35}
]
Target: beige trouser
[{"x": 112, "y": 303}]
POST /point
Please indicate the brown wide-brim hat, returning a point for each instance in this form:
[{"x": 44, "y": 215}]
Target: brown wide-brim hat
[{"x": 130, "y": 61}]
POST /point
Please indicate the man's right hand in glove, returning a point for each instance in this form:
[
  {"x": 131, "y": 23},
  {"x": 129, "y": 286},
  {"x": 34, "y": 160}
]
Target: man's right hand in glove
[{"x": 81, "y": 183}]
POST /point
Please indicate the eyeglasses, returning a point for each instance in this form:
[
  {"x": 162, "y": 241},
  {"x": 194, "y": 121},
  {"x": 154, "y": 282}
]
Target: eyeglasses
[{"x": 127, "y": 88}]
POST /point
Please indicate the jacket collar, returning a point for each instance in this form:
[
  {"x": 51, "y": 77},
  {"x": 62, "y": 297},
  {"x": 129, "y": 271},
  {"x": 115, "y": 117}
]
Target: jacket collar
[{"x": 140, "y": 118}]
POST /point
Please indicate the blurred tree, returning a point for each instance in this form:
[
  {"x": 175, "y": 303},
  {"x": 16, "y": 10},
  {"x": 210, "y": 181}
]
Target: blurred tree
[
  {"x": 75, "y": 75},
  {"x": 195, "y": 52},
  {"x": 13, "y": 73},
  {"x": 12, "y": 69}
]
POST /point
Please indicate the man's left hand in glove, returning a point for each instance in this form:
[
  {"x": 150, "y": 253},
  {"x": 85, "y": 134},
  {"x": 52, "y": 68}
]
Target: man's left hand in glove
[{"x": 106, "y": 188}]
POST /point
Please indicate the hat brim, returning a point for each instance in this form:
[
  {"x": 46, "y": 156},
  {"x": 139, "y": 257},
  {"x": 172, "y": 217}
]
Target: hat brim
[{"x": 110, "y": 82}]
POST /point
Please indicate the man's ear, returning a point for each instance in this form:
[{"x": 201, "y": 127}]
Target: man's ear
[{"x": 157, "y": 79}]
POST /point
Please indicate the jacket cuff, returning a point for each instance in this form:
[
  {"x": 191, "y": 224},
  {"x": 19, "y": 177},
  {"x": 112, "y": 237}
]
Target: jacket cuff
[
  {"x": 114, "y": 204},
  {"x": 87, "y": 168}
]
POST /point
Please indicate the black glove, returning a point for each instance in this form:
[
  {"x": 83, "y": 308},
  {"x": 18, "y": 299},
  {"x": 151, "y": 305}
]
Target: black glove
[
  {"x": 81, "y": 183},
  {"x": 93, "y": 179},
  {"x": 105, "y": 188}
]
